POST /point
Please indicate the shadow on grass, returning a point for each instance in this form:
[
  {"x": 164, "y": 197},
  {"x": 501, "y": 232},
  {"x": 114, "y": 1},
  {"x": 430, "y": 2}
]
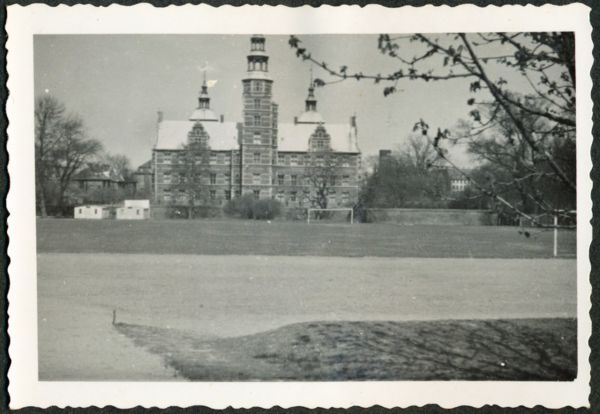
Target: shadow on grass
[{"x": 513, "y": 349}]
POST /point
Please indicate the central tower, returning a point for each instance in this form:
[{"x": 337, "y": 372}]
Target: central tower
[{"x": 259, "y": 132}]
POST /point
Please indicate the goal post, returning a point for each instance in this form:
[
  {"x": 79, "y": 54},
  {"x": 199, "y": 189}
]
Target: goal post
[{"x": 310, "y": 210}]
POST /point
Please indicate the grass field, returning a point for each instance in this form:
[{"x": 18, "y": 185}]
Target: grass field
[
  {"x": 518, "y": 349},
  {"x": 250, "y": 300},
  {"x": 212, "y": 297},
  {"x": 243, "y": 237}
]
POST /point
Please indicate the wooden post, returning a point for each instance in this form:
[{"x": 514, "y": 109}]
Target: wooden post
[
  {"x": 555, "y": 250},
  {"x": 114, "y": 321}
]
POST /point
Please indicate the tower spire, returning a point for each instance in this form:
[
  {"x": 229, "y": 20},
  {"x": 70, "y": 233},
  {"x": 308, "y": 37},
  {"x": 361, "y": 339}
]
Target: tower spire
[
  {"x": 203, "y": 111},
  {"x": 311, "y": 101},
  {"x": 204, "y": 99}
]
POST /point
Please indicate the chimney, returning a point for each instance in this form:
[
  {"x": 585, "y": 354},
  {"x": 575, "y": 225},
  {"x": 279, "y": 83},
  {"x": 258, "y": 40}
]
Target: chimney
[
  {"x": 384, "y": 153},
  {"x": 222, "y": 118},
  {"x": 295, "y": 120},
  {"x": 353, "y": 121},
  {"x": 159, "y": 117}
]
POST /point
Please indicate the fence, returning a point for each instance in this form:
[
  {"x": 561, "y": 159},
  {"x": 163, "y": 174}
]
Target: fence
[{"x": 409, "y": 216}]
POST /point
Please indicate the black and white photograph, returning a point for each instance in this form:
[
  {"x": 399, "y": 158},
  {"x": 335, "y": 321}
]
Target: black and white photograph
[{"x": 305, "y": 207}]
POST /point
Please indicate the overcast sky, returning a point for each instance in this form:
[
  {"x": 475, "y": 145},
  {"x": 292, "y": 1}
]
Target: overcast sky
[{"x": 117, "y": 83}]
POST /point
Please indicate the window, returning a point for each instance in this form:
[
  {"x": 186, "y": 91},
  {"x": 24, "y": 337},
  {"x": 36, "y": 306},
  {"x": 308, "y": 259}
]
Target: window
[
  {"x": 257, "y": 120},
  {"x": 238, "y": 193},
  {"x": 227, "y": 194},
  {"x": 220, "y": 158},
  {"x": 320, "y": 161},
  {"x": 79, "y": 211},
  {"x": 346, "y": 180},
  {"x": 280, "y": 179},
  {"x": 293, "y": 196},
  {"x": 256, "y": 178},
  {"x": 213, "y": 178},
  {"x": 345, "y": 197},
  {"x": 213, "y": 194},
  {"x": 346, "y": 162},
  {"x": 237, "y": 179},
  {"x": 294, "y": 180},
  {"x": 257, "y": 138},
  {"x": 257, "y": 104},
  {"x": 257, "y": 158},
  {"x": 332, "y": 180},
  {"x": 294, "y": 160},
  {"x": 213, "y": 158},
  {"x": 95, "y": 211},
  {"x": 256, "y": 194},
  {"x": 167, "y": 178},
  {"x": 137, "y": 211},
  {"x": 256, "y": 86}
]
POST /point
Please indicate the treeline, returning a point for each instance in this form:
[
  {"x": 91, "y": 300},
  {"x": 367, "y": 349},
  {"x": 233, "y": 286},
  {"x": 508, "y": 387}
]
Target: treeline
[
  {"x": 407, "y": 178},
  {"x": 63, "y": 151}
]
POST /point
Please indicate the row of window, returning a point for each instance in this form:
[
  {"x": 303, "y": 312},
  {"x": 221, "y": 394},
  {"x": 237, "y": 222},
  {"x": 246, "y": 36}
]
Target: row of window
[
  {"x": 178, "y": 158},
  {"x": 257, "y": 178},
  {"x": 281, "y": 196},
  {"x": 225, "y": 158},
  {"x": 181, "y": 195},
  {"x": 258, "y": 65},
  {"x": 334, "y": 180},
  {"x": 257, "y": 86},
  {"x": 213, "y": 178},
  {"x": 260, "y": 121}
]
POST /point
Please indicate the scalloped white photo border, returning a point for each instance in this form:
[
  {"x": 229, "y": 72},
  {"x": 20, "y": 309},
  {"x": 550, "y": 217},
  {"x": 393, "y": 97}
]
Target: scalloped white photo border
[{"x": 23, "y": 22}]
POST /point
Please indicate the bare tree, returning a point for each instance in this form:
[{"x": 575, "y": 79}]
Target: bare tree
[
  {"x": 546, "y": 61},
  {"x": 70, "y": 154},
  {"x": 118, "y": 163},
  {"x": 49, "y": 113},
  {"x": 321, "y": 173},
  {"x": 192, "y": 169},
  {"x": 62, "y": 149}
]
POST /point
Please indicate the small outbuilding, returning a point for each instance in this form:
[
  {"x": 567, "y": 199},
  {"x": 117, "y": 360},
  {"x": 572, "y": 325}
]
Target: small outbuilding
[
  {"x": 134, "y": 210},
  {"x": 95, "y": 212}
]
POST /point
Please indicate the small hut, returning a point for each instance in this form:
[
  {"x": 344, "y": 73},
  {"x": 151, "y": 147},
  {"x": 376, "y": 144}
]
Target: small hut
[
  {"x": 134, "y": 210},
  {"x": 94, "y": 212}
]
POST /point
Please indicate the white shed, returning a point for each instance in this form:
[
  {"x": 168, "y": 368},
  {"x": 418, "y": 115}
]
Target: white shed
[
  {"x": 95, "y": 212},
  {"x": 133, "y": 213}
]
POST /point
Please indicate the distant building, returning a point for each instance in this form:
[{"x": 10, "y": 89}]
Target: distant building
[
  {"x": 144, "y": 178},
  {"x": 260, "y": 155},
  {"x": 93, "y": 179},
  {"x": 458, "y": 182}
]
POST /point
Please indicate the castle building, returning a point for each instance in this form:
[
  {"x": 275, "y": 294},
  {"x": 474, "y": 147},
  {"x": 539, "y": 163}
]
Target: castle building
[{"x": 260, "y": 155}]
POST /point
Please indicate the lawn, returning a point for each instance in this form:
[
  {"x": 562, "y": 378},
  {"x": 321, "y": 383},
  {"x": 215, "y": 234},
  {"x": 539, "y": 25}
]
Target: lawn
[
  {"x": 518, "y": 349},
  {"x": 211, "y": 297},
  {"x": 210, "y": 237}
]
